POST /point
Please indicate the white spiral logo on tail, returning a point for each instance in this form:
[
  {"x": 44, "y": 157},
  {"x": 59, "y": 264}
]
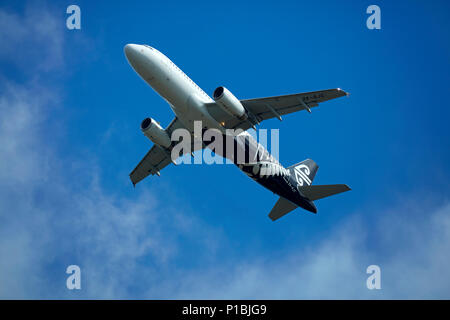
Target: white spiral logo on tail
[{"x": 302, "y": 176}]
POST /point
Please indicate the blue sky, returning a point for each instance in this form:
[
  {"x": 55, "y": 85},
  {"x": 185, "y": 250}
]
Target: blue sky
[{"x": 70, "y": 109}]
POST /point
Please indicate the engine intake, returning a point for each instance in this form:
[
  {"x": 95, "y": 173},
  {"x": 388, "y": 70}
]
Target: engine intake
[
  {"x": 155, "y": 132},
  {"x": 218, "y": 93},
  {"x": 229, "y": 103}
]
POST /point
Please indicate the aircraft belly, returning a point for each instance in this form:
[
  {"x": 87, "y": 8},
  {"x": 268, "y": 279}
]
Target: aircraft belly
[{"x": 193, "y": 109}]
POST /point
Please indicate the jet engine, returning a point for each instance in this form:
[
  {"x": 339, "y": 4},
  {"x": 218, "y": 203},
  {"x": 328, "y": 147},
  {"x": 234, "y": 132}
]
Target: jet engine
[
  {"x": 229, "y": 103},
  {"x": 155, "y": 132}
]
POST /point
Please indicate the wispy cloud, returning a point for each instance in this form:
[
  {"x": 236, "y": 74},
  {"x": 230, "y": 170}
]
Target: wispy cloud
[
  {"x": 413, "y": 254},
  {"x": 47, "y": 222},
  {"x": 33, "y": 39},
  {"x": 128, "y": 246}
]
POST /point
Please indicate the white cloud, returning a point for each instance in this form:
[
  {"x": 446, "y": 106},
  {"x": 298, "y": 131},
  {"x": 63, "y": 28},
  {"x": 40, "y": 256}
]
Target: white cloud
[
  {"x": 46, "y": 219},
  {"x": 33, "y": 40},
  {"x": 48, "y": 222},
  {"x": 414, "y": 264}
]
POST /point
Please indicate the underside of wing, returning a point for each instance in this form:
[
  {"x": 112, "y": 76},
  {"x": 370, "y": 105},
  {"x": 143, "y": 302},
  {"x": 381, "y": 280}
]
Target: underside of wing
[
  {"x": 158, "y": 157},
  {"x": 152, "y": 163},
  {"x": 274, "y": 107}
]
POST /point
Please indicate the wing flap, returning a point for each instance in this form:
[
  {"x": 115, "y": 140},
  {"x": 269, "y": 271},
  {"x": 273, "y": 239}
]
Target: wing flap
[
  {"x": 314, "y": 97},
  {"x": 263, "y": 108},
  {"x": 156, "y": 159},
  {"x": 152, "y": 162}
]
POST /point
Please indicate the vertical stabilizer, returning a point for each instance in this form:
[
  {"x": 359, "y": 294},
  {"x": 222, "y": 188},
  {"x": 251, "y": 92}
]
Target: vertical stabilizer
[{"x": 304, "y": 172}]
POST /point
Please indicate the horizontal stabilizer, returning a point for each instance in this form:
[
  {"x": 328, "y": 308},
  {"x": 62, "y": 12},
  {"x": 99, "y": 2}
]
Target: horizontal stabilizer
[
  {"x": 321, "y": 191},
  {"x": 282, "y": 207}
]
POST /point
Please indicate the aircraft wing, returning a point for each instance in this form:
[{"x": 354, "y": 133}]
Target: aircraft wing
[
  {"x": 274, "y": 107},
  {"x": 157, "y": 158}
]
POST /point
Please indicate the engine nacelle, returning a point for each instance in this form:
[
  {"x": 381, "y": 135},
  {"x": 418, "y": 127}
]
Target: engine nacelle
[
  {"x": 229, "y": 103},
  {"x": 155, "y": 132}
]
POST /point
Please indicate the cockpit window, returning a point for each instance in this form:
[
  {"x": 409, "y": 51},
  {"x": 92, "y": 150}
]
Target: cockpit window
[{"x": 146, "y": 45}]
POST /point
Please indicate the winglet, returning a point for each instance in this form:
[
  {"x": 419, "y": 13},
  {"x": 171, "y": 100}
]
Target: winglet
[{"x": 346, "y": 93}]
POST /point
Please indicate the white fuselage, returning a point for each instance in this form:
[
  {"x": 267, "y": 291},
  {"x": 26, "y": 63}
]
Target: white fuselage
[{"x": 186, "y": 98}]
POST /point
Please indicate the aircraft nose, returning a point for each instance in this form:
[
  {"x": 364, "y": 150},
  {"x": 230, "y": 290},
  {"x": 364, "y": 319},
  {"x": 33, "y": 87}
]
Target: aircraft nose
[
  {"x": 131, "y": 51},
  {"x": 140, "y": 59}
]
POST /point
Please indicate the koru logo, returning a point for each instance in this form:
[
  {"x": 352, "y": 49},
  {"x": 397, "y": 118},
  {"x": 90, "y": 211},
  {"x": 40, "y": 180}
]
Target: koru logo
[{"x": 302, "y": 176}]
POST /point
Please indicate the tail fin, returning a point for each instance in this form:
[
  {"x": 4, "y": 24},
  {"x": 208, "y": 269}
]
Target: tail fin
[
  {"x": 304, "y": 172},
  {"x": 322, "y": 191}
]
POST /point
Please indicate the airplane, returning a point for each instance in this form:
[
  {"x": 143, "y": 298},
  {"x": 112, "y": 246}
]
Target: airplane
[{"x": 222, "y": 113}]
